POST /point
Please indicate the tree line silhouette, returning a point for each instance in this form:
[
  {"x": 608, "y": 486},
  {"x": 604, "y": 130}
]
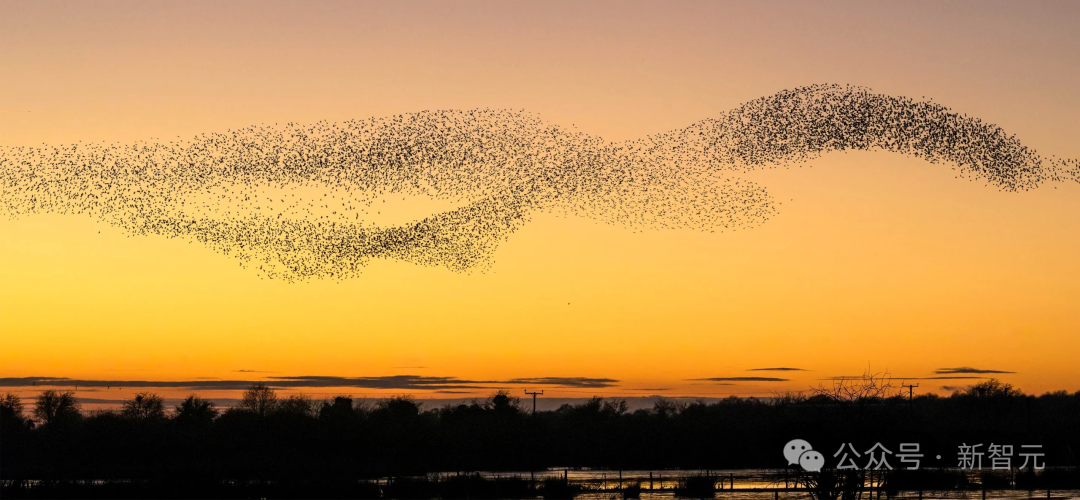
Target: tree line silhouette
[{"x": 268, "y": 437}]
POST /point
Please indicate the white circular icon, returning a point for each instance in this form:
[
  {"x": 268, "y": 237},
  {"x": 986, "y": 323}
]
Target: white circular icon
[
  {"x": 794, "y": 448},
  {"x": 812, "y": 461}
]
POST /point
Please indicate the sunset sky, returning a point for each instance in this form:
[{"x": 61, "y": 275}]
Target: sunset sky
[{"x": 875, "y": 259}]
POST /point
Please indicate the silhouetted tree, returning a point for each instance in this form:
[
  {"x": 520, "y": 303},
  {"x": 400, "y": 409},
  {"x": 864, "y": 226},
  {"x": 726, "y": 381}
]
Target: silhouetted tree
[
  {"x": 399, "y": 407},
  {"x": 871, "y": 386},
  {"x": 339, "y": 408},
  {"x": 144, "y": 406},
  {"x": 503, "y": 403},
  {"x": 259, "y": 399},
  {"x": 992, "y": 388},
  {"x": 53, "y": 406},
  {"x": 297, "y": 405},
  {"x": 11, "y": 407},
  {"x": 666, "y": 407},
  {"x": 194, "y": 409}
]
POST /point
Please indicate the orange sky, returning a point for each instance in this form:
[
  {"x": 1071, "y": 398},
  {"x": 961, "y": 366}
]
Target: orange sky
[{"x": 874, "y": 258}]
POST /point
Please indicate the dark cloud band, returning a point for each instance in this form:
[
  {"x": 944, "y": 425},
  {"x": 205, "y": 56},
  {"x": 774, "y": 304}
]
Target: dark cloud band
[
  {"x": 742, "y": 379},
  {"x": 402, "y": 382},
  {"x": 966, "y": 369}
]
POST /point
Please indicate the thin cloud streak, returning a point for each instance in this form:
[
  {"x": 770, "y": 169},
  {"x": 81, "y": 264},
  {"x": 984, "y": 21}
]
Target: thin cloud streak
[
  {"x": 965, "y": 369},
  {"x": 948, "y": 378},
  {"x": 742, "y": 379},
  {"x": 565, "y": 381},
  {"x": 860, "y": 377}
]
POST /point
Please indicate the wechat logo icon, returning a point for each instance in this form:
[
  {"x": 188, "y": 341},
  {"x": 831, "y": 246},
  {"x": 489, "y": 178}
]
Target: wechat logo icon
[{"x": 799, "y": 451}]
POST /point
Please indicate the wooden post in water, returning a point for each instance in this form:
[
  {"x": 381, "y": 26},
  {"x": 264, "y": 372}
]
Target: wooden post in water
[
  {"x": 732, "y": 480},
  {"x": 650, "y": 480}
]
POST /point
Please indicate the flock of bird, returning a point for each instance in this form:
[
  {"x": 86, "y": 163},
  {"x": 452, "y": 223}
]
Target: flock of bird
[{"x": 295, "y": 202}]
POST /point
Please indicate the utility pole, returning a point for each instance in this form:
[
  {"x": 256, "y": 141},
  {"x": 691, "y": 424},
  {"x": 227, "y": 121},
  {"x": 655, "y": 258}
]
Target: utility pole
[
  {"x": 534, "y": 398},
  {"x": 910, "y": 389}
]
